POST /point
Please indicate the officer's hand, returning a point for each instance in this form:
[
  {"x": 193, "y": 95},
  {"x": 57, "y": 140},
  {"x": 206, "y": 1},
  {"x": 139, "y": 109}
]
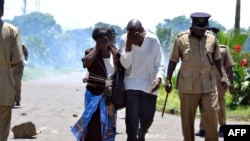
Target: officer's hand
[
  {"x": 156, "y": 84},
  {"x": 224, "y": 83},
  {"x": 231, "y": 88},
  {"x": 168, "y": 86}
]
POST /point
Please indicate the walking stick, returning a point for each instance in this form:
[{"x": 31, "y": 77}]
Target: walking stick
[{"x": 164, "y": 104}]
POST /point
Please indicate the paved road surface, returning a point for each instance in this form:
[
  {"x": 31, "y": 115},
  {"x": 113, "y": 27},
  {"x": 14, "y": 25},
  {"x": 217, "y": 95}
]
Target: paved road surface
[{"x": 50, "y": 104}]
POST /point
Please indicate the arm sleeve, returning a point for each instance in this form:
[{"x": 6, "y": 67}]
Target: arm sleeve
[
  {"x": 126, "y": 57},
  {"x": 16, "y": 50}
]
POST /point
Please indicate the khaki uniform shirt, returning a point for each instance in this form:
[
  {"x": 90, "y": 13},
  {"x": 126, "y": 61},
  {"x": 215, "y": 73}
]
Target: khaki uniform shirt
[
  {"x": 227, "y": 61},
  {"x": 196, "y": 73},
  {"x": 10, "y": 53},
  {"x": 226, "y": 58}
]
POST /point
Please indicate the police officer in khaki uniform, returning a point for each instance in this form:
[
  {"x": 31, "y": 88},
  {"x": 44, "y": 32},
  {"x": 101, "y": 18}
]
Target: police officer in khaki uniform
[
  {"x": 199, "y": 51},
  {"x": 227, "y": 62},
  {"x": 18, "y": 75},
  {"x": 10, "y": 54}
]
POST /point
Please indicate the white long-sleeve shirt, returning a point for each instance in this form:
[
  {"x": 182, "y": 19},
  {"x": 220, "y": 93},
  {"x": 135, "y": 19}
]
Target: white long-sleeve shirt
[{"x": 143, "y": 64}]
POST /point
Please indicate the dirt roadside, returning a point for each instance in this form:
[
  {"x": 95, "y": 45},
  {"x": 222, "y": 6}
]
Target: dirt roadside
[{"x": 50, "y": 104}]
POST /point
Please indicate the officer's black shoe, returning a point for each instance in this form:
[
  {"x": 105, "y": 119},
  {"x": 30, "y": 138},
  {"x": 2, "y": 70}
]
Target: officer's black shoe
[
  {"x": 221, "y": 129},
  {"x": 141, "y": 135},
  {"x": 17, "y": 103},
  {"x": 201, "y": 133}
]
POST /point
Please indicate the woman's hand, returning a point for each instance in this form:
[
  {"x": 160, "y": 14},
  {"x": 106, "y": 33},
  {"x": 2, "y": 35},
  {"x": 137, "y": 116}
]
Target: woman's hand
[{"x": 102, "y": 42}]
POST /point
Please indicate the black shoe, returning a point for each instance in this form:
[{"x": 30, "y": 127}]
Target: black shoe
[
  {"x": 17, "y": 103},
  {"x": 141, "y": 135},
  {"x": 221, "y": 129},
  {"x": 201, "y": 133}
]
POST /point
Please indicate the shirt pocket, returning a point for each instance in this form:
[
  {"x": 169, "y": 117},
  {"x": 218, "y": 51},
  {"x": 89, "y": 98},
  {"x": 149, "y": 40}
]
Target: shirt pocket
[
  {"x": 209, "y": 48},
  {"x": 187, "y": 54},
  {"x": 186, "y": 81}
]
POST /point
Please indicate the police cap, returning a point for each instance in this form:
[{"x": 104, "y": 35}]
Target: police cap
[
  {"x": 1, "y": 4},
  {"x": 200, "y": 19},
  {"x": 213, "y": 29}
]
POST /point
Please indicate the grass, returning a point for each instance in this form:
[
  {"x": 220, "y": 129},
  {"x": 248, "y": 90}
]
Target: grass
[{"x": 241, "y": 113}]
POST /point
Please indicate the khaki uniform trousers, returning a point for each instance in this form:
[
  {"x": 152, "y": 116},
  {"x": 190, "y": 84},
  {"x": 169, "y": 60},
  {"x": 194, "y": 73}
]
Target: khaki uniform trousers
[
  {"x": 222, "y": 106},
  {"x": 5, "y": 121},
  {"x": 18, "y": 74},
  {"x": 209, "y": 105}
]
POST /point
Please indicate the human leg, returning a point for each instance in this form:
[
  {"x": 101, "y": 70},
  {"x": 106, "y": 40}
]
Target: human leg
[
  {"x": 209, "y": 107},
  {"x": 189, "y": 104},
  {"x": 222, "y": 104},
  {"x": 94, "y": 127},
  {"x": 147, "y": 111},
  {"x": 5, "y": 118},
  {"x": 132, "y": 114},
  {"x": 18, "y": 74},
  {"x": 201, "y": 131},
  {"x": 221, "y": 111}
]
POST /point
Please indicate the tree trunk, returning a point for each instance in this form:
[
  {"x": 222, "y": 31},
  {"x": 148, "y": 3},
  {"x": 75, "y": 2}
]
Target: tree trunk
[{"x": 237, "y": 16}]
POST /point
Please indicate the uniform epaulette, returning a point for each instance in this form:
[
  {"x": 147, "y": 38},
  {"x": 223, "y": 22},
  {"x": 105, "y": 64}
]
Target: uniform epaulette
[
  {"x": 210, "y": 32},
  {"x": 182, "y": 33}
]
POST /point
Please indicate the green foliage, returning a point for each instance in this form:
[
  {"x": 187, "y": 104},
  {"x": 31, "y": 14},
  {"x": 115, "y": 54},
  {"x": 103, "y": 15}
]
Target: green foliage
[
  {"x": 231, "y": 39},
  {"x": 235, "y": 41},
  {"x": 241, "y": 94}
]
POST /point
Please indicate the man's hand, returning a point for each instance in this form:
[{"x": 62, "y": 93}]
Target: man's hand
[
  {"x": 168, "y": 86},
  {"x": 133, "y": 38},
  {"x": 156, "y": 84},
  {"x": 231, "y": 88},
  {"x": 224, "y": 83}
]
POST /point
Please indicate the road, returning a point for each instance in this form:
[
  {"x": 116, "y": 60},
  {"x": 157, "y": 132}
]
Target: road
[{"x": 51, "y": 103}]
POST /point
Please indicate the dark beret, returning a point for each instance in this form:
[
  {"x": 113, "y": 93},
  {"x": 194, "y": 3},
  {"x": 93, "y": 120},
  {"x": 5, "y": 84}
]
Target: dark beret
[
  {"x": 200, "y": 19},
  {"x": 101, "y": 32},
  {"x": 213, "y": 29}
]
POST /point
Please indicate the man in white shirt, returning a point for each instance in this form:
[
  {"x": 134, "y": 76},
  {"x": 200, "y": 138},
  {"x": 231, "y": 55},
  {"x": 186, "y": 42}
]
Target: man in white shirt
[{"x": 143, "y": 59}]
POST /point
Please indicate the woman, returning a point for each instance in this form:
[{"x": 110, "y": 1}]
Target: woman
[{"x": 98, "y": 121}]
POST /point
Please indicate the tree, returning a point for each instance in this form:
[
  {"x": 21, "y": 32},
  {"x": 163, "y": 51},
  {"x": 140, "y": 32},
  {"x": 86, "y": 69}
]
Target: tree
[
  {"x": 237, "y": 16},
  {"x": 39, "y": 32},
  {"x": 37, "y": 23}
]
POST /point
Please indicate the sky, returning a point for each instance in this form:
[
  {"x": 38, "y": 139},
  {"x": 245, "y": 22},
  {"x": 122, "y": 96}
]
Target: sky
[{"x": 71, "y": 14}]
